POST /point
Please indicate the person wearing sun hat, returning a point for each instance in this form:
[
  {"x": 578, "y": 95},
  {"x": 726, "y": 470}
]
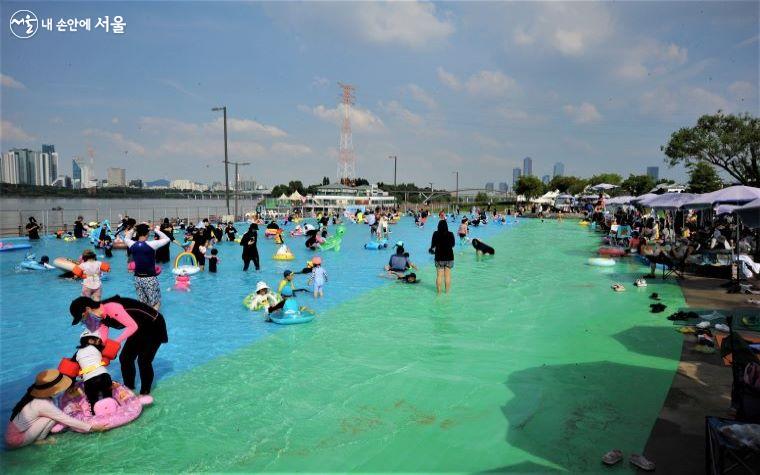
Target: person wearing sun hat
[
  {"x": 36, "y": 413},
  {"x": 265, "y": 299}
]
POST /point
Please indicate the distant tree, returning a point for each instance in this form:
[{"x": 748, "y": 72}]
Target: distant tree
[
  {"x": 529, "y": 187},
  {"x": 564, "y": 183},
  {"x": 361, "y": 181},
  {"x": 611, "y": 178},
  {"x": 729, "y": 142},
  {"x": 481, "y": 197},
  {"x": 703, "y": 178},
  {"x": 278, "y": 190},
  {"x": 578, "y": 186},
  {"x": 638, "y": 184},
  {"x": 666, "y": 181},
  {"x": 296, "y": 185},
  {"x": 325, "y": 180}
]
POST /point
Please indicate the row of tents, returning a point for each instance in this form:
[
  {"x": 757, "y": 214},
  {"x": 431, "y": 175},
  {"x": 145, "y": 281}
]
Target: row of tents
[{"x": 739, "y": 199}]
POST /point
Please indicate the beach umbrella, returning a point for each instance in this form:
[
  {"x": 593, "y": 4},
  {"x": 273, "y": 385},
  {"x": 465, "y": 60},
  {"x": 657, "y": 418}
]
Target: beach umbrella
[
  {"x": 735, "y": 195},
  {"x": 620, "y": 200},
  {"x": 750, "y": 213},
  {"x": 641, "y": 199},
  {"x": 670, "y": 201},
  {"x": 603, "y": 186}
]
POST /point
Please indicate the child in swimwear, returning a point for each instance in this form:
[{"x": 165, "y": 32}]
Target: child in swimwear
[
  {"x": 213, "y": 260},
  {"x": 97, "y": 381},
  {"x": 464, "y": 229},
  {"x": 91, "y": 284},
  {"x": 318, "y": 277}
]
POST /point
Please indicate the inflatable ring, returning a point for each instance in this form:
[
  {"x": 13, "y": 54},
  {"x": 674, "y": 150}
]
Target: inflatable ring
[
  {"x": 601, "y": 261},
  {"x": 291, "y": 314},
  {"x": 7, "y": 246},
  {"x": 64, "y": 263},
  {"x": 69, "y": 239},
  {"x": 248, "y": 302},
  {"x": 185, "y": 269},
  {"x": 611, "y": 251},
  {"x": 128, "y": 406},
  {"x": 584, "y": 223},
  {"x": 157, "y": 268}
]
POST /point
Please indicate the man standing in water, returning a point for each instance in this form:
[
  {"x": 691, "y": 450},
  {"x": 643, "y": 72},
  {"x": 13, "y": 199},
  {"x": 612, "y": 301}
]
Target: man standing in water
[
  {"x": 144, "y": 256},
  {"x": 32, "y": 228}
]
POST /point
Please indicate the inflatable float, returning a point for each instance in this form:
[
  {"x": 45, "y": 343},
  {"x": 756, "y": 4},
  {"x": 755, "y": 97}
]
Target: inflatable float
[
  {"x": 185, "y": 269},
  {"x": 269, "y": 232},
  {"x": 333, "y": 242},
  {"x": 601, "y": 261},
  {"x": 283, "y": 254},
  {"x": 122, "y": 408},
  {"x": 584, "y": 223},
  {"x": 95, "y": 235},
  {"x": 611, "y": 251},
  {"x": 9, "y": 246},
  {"x": 248, "y": 302},
  {"x": 64, "y": 263},
  {"x": 69, "y": 239},
  {"x": 31, "y": 263},
  {"x": 182, "y": 283},
  {"x": 131, "y": 267},
  {"x": 376, "y": 245},
  {"x": 291, "y": 314}
]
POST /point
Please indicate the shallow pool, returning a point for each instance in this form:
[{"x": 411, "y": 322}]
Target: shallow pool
[{"x": 531, "y": 363}]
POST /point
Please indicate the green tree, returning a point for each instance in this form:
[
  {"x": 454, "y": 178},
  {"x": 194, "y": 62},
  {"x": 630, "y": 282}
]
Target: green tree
[
  {"x": 564, "y": 183},
  {"x": 611, "y": 178},
  {"x": 296, "y": 185},
  {"x": 703, "y": 178},
  {"x": 638, "y": 184},
  {"x": 481, "y": 197},
  {"x": 529, "y": 187},
  {"x": 729, "y": 142},
  {"x": 325, "y": 180},
  {"x": 278, "y": 190}
]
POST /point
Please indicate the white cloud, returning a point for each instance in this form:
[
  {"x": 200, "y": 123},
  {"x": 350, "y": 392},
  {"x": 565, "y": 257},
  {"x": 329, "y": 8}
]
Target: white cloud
[
  {"x": 115, "y": 120},
  {"x": 571, "y": 28},
  {"x": 578, "y": 145},
  {"x": 398, "y": 110},
  {"x": 651, "y": 57},
  {"x": 319, "y": 81},
  {"x": 742, "y": 90},
  {"x": 448, "y": 79},
  {"x": 409, "y": 23},
  {"x": 361, "y": 119},
  {"x": 9, "y": 82},
  {"x": 420, "y": 95},
  {"x": 290, "y": 149},
  {"x": 490, "y": 83},
  {"x": 118, "y": 140},
  {"x": 488, "y": 142},
  {"x": 519, "y": 115},
  {"x": 11, "y": 132},
  {"x": 688, "y": 101},
  {"x": 749, "y": 41},
  {"x": 586, "y": 113},
  {"x": 56, "y": 120},
  {"x": 249, "y": 126}
]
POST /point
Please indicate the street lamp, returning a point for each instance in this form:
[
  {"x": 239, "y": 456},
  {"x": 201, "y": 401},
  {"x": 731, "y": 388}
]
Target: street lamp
[
  {"x": 395, "y": 159},
  {"x": 237, "y": 185},
  {"x": 226, "y": 171}
]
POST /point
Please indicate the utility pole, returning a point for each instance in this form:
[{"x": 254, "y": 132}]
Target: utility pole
[
  {"x": 395, "y": 159},
  {"x": 226, "y": 162},
  {"x": 237, "y": 185},
  {"x": 457, "y": 188}
]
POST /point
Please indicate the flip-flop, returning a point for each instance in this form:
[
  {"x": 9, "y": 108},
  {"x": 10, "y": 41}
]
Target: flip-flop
[
  {"x": 642, "y": 462},
  {"x": 612, "y": 457}
]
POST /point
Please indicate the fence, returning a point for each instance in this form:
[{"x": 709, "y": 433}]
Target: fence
[{"x": 13, "y": 223}]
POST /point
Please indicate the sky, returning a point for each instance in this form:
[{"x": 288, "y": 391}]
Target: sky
[{"x": 470, "y": 87}]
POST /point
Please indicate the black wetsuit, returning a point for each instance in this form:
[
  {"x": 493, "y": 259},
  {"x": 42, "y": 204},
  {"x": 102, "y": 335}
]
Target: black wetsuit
[
  {"x": 250, "y": 251},
  {"x": 143, "y": 344},
  {"x": 78, "y": 229},
  {"x": 230, "y": 230}
]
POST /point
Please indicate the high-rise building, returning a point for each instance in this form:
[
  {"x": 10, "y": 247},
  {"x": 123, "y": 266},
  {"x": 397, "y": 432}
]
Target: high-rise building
[
  {"x": 527, "y": 166},
  {"x": 559, "y": 169},
  {"x": 653, "y": 173},
  {"x": 63, "y": 181},
  {"x": 29, "y": 167},
  {"x": 117, "y": 177},
  {"x": 136, "y": 183},
  {"x": 489, "y": 186},
  {"x": 516, "y": 174},
  {"x": 84, "y": 173},
  {"x": 50, "y": 150},
  {"x": 546, "y": 179},
  {"x": 503, "y": 187}
]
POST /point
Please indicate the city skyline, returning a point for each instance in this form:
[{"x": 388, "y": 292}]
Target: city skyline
[{"x": 482, "y": 92}]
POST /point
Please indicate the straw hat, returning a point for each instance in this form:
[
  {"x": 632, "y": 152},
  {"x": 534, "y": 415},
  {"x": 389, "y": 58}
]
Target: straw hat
[{"x": 49, "y": 383}]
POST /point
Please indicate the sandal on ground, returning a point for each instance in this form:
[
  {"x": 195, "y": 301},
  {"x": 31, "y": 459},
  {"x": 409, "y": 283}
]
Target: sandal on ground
[
  {"x": 612, "y": 457},
  {"x": 642, "y": 462}
]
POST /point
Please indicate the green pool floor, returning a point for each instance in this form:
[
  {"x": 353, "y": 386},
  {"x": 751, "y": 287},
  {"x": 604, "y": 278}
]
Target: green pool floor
[{"x": 531, "y": 364}]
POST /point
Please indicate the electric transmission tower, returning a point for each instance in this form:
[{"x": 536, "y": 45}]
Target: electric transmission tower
[{"x": 346, "y": 157}]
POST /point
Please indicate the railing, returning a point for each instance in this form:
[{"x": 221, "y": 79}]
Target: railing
[{"x": 13, "y": 223}]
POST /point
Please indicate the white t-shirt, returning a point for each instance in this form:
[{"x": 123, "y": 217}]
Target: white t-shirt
[
  {"x": 91, "y": 271},
  {"x": 90, "y": 357}
]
